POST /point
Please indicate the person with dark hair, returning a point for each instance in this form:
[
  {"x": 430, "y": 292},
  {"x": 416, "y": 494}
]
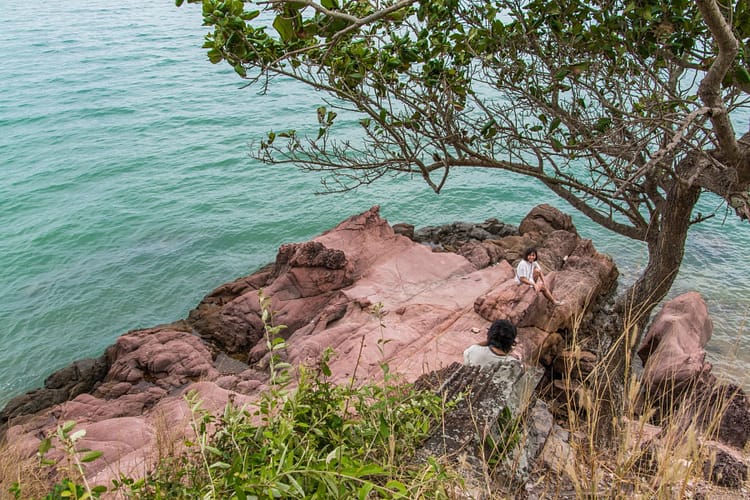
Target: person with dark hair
[
  {"x": 501, "y": 337},
  {"x": 529, "y": 273}
]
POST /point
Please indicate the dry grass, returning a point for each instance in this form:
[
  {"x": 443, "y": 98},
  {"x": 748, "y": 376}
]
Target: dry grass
[
  {"x": 15, "y": 468},
  {"x": 641, "y": 460}
]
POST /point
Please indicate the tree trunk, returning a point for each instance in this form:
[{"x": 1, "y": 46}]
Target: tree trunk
[{"x": 666, "y": 247}]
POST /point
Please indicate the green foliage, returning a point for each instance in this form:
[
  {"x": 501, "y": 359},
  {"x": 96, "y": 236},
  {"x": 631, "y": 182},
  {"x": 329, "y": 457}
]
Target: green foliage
[
  {"x": 444, "y": 84},
  {"x": 503, "y": 438}
]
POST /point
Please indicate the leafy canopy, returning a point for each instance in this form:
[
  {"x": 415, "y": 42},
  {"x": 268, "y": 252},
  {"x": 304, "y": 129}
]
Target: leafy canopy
[{"x": 599, "y": 100}]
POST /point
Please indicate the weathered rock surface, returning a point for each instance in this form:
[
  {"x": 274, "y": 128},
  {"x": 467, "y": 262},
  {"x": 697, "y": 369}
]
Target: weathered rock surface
[
  {"x": 497, "y": 418},
  {"x": 673, "y": 349},
  {"x": 369, "y": 293}
]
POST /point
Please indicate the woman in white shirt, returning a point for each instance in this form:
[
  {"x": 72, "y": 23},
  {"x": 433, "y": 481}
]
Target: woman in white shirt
[
  {"x": 501, "y": 337},
  {"x": 529, "y": 273}
]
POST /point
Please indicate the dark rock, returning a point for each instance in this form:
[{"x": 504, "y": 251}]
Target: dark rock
[
  {"x": 404, "y": 229},
  {"x": 453, "y": 236},
  {"x": 729, "y": 404},
  {"x": 725, "y": 467},
  {"x": 64, "y": 384},
  {"x": 496, "y": 417},
  {"x": 226, "y": 365}
]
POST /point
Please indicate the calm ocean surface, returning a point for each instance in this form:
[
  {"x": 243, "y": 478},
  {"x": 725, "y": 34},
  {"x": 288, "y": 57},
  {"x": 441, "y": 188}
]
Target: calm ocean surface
[{"x": 127, "y": 192}]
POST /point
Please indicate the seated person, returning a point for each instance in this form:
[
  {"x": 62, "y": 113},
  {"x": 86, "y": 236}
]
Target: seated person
[
  {"x": 501, "y": 337},
  {"x": 529, "y": 273}
]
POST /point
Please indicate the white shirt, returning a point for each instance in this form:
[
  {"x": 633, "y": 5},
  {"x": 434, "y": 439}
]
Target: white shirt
[
  {"x": 482, "y": 355},
  {"x": 526, "y": 269}
]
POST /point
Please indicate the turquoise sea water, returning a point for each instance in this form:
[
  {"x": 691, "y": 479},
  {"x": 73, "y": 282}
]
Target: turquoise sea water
[{"x": 127, "y": 192}]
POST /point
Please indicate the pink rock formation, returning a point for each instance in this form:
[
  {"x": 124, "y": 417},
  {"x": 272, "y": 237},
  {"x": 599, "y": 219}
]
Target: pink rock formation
[
  {"x": 370, "y": 294},
  {"x": 673, "y": 349}
]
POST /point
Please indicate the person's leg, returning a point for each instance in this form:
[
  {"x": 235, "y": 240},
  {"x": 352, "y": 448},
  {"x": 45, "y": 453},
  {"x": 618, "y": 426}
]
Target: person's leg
[
  {"x": 550, "y": 297},
  {"x": 538, "y": 276}
]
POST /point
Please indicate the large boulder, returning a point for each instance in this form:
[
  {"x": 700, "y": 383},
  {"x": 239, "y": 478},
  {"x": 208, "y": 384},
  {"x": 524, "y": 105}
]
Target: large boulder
[
  {"x": 545, "y": 219},
  {"x": 579, "y": 277},
  {"x": 496, "y": 418},
  {"x": 672, "y": 350}
]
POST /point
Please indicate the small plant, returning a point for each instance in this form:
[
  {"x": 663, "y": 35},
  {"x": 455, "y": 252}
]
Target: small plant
[
  {"x": 503, "y": 439},
  {"x": 74, "y": 485}
]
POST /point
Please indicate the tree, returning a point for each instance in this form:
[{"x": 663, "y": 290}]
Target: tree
[{"x": 623, "y": 108}]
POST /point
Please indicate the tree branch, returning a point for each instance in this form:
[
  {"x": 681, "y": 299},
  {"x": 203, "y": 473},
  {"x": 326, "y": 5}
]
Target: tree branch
[{"x": 710, "y": 87}]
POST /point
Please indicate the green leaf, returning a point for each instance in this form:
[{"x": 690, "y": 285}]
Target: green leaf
[
  {"x": 364, "y": 491},
  {"x": 553, "y": 126},
  {"x": 326, "y": 369},
  {"x": 249, "y": 16},
  {"x": 284, "y": 27},
  {"x": 215, "y": 56},
  {"x": 45, "y": 446},
  {"x": 557, "y": 145},
  {"x": 91, "y": 456},
  {"x": 329, "y": 4},
  {"x": 213, "y": 450},
  {"x": 240, "y": 70},
  {"x": 369, "y": 470},
  {"x": 68, "y": 426},
  {"x": 396, "y": 485},
  {"x": 742, "y": 75}
]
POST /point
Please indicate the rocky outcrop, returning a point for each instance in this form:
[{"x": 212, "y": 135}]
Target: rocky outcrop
[
  {"x": 372, "y": 295},
  {"x": 678, "y": 384},
  {"x": 63, "y": 385},
  {"x": 497, "y": 418},
  {"x": 672, "y": 351}
]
